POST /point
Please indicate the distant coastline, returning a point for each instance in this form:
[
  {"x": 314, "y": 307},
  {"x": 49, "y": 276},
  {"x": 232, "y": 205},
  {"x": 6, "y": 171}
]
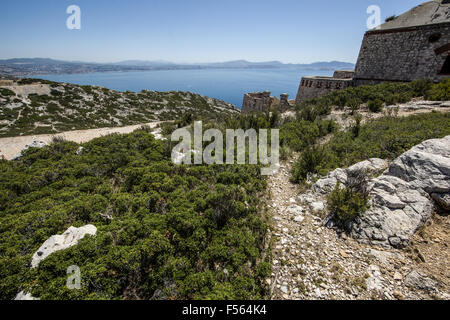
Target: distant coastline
[
  {"x": 42, "y": 66},
  {"x": 228, "y": 85}
]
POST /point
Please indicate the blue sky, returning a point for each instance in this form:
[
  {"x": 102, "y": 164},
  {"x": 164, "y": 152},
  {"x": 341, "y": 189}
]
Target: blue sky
[{"x": 295, "y": 31}]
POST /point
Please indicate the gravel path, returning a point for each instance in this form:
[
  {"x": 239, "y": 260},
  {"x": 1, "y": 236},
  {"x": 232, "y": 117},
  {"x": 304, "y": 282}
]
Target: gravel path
[{"x": 11, "y": 146}]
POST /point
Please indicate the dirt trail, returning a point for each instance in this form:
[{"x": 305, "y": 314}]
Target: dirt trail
[{"x": 11, "y": 146}]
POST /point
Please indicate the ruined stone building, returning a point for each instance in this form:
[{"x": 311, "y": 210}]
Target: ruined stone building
[
  {"x": 256, "y": 102},
  {"x": 263, "y": 101},
  {"x": 414, "y": 45}
]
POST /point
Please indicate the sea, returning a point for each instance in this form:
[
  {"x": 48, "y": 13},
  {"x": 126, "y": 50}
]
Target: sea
[{"x": 229, "y": 85}]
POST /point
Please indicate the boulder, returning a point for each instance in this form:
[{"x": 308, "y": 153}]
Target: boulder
[
  {"x": 442, "y": 200},
  {"x": 25, "y": 296},
  {"x": 401, "y": 198},
  {"x": 426, "y": 166},
  {"x": 371, "y": 167},
  {"x": 416, "y": 280},
  {"x": 69, "y": 238},
  {"x": 317, "y": 206}
]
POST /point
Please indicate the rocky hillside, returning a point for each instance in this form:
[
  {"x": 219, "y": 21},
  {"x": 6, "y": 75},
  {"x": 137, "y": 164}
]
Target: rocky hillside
[
  {"x": 30, "y": 106},
  {"x": 397, "y": 248}
]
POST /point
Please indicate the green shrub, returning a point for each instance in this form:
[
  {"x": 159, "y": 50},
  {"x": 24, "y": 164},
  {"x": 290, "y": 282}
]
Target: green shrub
[
  {"x": 439, "y": 92},
  {"x": 297, "y": 135},
  {"x": 6, "y": 92},
  {"x": 375, "y": 105},
  {"x": 309, "y": 162},
  {"x": 354, "y": 104},
  {"x": 420, "y": 87},
  {"x": 356, "y": 128},
  {"x": 346, "y": 204},
  {"x": 285, "y": 153}
]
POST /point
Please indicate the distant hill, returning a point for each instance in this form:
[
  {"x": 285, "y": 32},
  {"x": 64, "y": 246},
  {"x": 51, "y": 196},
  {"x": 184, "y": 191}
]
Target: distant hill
[
  {"x": 33, "y": 106},
  {"x": 40, "y": 66}
]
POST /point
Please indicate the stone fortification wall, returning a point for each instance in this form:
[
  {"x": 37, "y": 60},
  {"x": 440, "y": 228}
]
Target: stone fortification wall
[
  {"x": 404, "y": 54},
  {"x": 344, "y": 74},
  {"x": 315, "y": 87}
]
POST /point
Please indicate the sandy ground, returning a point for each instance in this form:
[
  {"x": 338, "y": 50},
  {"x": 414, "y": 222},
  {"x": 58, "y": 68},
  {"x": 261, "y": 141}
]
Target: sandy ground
[{"x": 12, "y": 146}]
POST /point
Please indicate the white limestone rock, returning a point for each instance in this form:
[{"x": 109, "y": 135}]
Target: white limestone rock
[
  {"x": 317, "y": 206},
  {"x": 426, "y": 166},
  {"x": 69, "y": 238},
  {"x": 34, "y": 144},
  {"x": 327, "y": 184},
  {"x": 416, "y": 280},
  {"x": 22, "y": 296},
  {"x": 375, "y": 280},
  {"x": 400, "y": 198}
]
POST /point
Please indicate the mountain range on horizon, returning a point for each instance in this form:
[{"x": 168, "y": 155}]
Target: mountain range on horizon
[{"x": 41, "y": 66}]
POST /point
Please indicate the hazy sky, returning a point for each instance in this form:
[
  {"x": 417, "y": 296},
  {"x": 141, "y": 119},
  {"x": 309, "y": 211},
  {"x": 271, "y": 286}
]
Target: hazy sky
[{"x": 294, "y": 31}]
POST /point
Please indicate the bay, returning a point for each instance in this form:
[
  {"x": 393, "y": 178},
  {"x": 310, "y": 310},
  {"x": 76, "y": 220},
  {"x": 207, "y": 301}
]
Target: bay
[{"x": 229, "y": 85}]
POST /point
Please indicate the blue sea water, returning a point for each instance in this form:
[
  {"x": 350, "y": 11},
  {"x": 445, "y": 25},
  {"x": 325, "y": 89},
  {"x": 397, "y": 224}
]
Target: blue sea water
[{"x": 229, "y": 85}]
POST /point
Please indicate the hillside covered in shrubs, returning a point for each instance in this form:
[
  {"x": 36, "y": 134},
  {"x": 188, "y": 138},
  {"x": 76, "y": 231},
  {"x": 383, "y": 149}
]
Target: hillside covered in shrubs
[
  {"x": 180, "y": 232},
  {"x": 375, "y": 97},
  {"x": 164, "y": 231},
  {"x": 385, "y": 138},
  {"x": 32, "y": 106}
]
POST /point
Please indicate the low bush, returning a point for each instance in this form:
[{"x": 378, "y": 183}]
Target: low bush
[
  {"x": 439, "y": 91},
  {"x": 375, "y": 105},
  {"x": 349, "y": 201},
  {"x": 345, "y": 204},
  {"x": 6, "y": 92},
  {"x": 310, "y": 162},
  {"x": 385, "y": 138}
]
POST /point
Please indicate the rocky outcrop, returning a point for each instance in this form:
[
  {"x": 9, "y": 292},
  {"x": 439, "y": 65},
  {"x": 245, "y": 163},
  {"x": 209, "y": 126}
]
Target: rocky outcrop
[
  {"x": 396, "y": 211},
  {"x": 426, "y": 166},
  {"x": 416, "y": 280},
  {"x": 401, "y": 199},
  {"x": 371, "y": 167},
  {"x": 69, "y": 238}
]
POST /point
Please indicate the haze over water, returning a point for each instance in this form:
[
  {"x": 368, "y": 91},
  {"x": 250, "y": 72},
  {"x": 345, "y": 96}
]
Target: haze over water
[{"x": 229, "y": 85}]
